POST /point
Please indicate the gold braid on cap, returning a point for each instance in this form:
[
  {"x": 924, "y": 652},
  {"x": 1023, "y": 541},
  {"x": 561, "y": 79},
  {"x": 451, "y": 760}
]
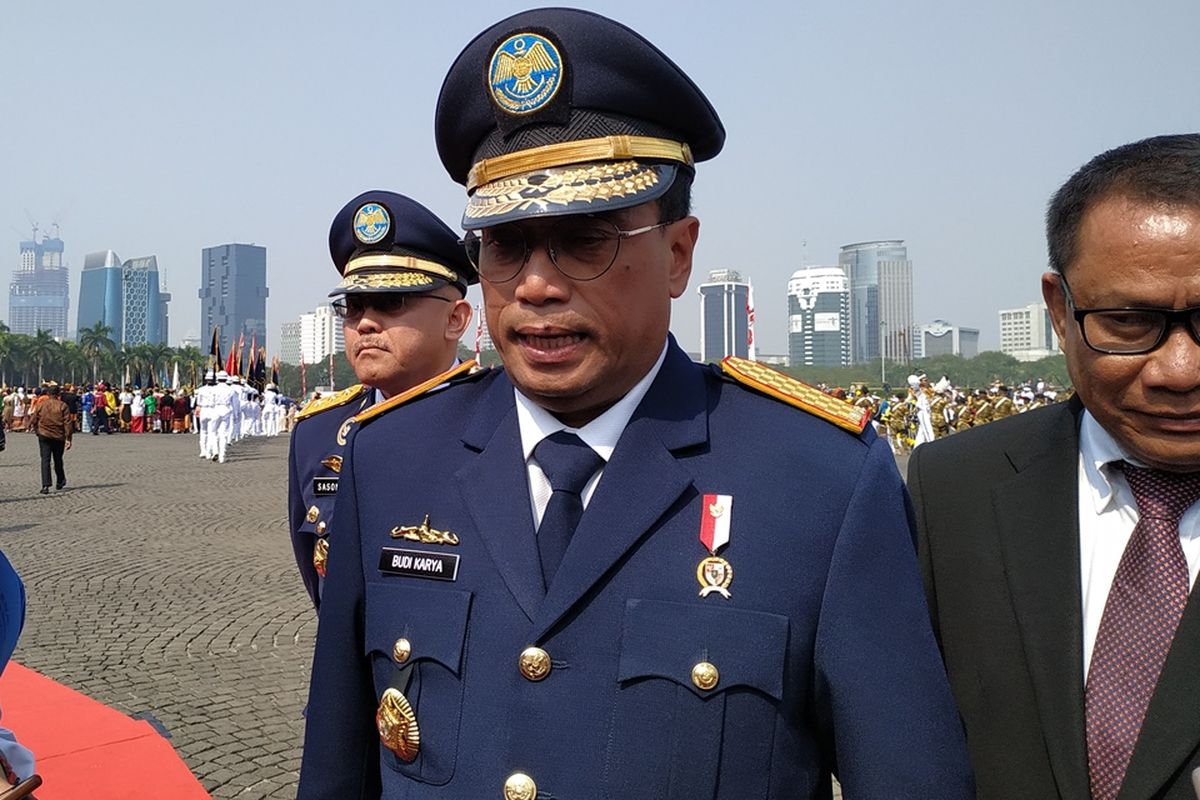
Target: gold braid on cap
[
  {"x": 400, "y": 262},
  {"x": 607, "y": 148}
]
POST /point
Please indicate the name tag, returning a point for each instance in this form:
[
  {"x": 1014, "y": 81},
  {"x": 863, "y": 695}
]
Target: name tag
[
  {"x": 324, "y": 487},
  {"x": 419, "y": 564}
]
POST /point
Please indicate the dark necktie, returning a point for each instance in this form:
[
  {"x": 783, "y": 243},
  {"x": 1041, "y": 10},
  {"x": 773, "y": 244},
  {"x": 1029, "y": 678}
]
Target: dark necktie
[
  {"x": 1144, "y": 605},
  {"x": 568, "y": 464}
]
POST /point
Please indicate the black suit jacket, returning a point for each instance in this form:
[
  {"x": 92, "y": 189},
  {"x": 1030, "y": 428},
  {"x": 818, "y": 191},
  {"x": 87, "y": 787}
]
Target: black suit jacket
[{"x": 998, "y": 528}]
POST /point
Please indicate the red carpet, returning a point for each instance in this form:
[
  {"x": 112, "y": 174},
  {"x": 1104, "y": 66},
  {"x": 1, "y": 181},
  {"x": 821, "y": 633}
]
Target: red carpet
[{"x": 84, "y": 749}]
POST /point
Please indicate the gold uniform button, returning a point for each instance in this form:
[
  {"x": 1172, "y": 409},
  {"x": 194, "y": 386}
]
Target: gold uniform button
[
  {"x": 535, "y": 664},
  {"x": 401, "y": 650},
  {"x": 519, "y": 786},
  {"x": 313, "y": 514},
  {"x": 322, "y": 526},
  {"x": 705, "y": 676}
]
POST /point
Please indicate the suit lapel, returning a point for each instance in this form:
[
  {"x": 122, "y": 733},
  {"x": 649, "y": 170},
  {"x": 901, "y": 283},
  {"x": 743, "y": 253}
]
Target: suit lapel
[
  {"x": 1038, "y": 519},
  {"x": 640, "y": 484},
  {"x": 496, "y": 493}
]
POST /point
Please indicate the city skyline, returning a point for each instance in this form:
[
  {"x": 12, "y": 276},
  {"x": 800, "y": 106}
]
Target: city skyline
[{"x": 947, "y": 126}]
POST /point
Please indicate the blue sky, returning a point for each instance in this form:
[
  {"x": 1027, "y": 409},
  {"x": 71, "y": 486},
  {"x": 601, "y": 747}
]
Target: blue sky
[{"x": 164, "y": 128}]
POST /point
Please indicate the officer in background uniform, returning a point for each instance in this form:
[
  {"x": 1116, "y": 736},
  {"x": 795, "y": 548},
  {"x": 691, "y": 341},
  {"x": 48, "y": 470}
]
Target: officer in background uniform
[
  {"x": 606, "y": 571},
  {"x": 404, "y": 276}
]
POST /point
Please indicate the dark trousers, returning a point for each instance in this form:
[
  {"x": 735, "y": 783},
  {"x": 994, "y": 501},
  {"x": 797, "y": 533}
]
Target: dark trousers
[
  {"x": 52, "y": 447},
  {"x": 100, "y": 420}
]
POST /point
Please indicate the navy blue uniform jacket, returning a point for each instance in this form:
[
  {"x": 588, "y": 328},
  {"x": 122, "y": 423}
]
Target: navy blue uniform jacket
[
  {"x": 826, "y": 657},
  {"x": 314, "y": 440}
]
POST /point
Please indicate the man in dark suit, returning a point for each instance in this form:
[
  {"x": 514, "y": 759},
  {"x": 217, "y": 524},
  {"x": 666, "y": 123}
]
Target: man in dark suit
[
  {"x": 1059, "y": 545},
  {"x": 400, "y": 302},
  {"x": 606, "y": 571}
]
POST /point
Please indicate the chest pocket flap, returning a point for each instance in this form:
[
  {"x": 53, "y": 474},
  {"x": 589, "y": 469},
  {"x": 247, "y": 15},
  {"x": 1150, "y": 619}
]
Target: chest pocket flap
[
  {"x": 434, "y": 621},
  {"x": 667, "y": 640}
]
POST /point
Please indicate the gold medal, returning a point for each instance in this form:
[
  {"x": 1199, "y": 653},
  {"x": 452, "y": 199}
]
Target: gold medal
[
  {"x": 715, "y": 574},
  {"x": 397, "y": 725}
]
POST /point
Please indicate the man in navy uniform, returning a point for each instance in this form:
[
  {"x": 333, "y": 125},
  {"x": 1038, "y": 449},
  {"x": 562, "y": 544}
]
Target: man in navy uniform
[
  {"x": 606, "y": 571},
  {"x": 404, "y": 276}
]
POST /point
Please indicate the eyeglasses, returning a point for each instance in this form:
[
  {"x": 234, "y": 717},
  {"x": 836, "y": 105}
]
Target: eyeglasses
[
  {"x": 1130, "y": 331},
  {"x": 352, "y": 306},
  {"x": 581, "y": 247}
]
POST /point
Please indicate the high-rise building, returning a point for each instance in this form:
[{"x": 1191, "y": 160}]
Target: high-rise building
[
  {"x": 233, "y": 293},
  {"x": 320, "y": 334},
  {"x": 289, "y": 342},
  {"x": 39, "y": 294},
  {"x": 126, "y": 297},
  {"x": 724, "y": 316},
  {"x": 940, "y": 338},
  {"x": 881, "y": 318},
  {"x": 818, "y": 318},
  {"x": 1027, "y": 334}
]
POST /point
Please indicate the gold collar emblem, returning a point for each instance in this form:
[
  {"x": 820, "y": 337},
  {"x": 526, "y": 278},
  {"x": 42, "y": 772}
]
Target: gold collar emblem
[{"x": 424, "y": 534}]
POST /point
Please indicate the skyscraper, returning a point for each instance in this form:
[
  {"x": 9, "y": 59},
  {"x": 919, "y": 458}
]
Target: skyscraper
[
  {"x": 233, "y": 293},
  {"x": 289, "y": 342},
  {"x": 1026, "y": 333},
  {"x": 724, "y": 316},
  {"x": 880, "y": 278},
  {"x": 320, "y": 334},
  {"x": 127, "y": 297},
  {"x": 39, "y": 295},
  {"x": 941, "y": 338},
  {"x": 818, "y": 318}
]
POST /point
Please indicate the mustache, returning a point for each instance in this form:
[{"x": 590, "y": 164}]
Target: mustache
[{"x": 370, "y": 341}]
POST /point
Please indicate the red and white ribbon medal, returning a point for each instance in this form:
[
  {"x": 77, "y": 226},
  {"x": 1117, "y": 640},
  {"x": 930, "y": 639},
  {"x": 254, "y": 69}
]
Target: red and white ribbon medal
[{"x": 715, "y": 573}]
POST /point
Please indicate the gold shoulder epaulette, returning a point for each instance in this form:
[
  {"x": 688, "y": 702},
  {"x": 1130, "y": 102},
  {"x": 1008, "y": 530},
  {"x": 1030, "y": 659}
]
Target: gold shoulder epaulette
[
  {"x": 795, "y": 393},
  {"x": 416, "y": 391},
  {"x": 330, "y": 401}
]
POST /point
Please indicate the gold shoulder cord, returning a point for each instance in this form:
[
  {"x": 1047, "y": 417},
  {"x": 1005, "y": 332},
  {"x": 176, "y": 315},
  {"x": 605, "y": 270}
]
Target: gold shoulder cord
[
  {"x": 796, "y": 393},
  {"x": 416, "y": 391}
]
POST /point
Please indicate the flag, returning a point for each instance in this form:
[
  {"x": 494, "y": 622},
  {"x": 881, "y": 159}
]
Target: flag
[
  {"x": 231, "y": 363},
  {"x": 253, "y": 355},
  {"x": 214, "y": 352},
  {"x": 275, "y": 371},
  {"x": 241, "y": 346},
  {"x": 332, "y": 384},
  {"x": 303, "y": 381},
  {"x": 175, "y": 379},
  {"x": 750, "y": 347}
]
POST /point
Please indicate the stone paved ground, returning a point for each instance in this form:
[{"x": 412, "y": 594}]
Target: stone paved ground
[{"x": 161, "y": 584}]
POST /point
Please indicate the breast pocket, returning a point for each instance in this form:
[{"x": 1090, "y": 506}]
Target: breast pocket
[
  {"x": 698, "y": 684},
  {"x": 415, "y": 638}
]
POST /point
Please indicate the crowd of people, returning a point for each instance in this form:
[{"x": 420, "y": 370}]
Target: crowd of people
[{"x": 927, "y": 411}]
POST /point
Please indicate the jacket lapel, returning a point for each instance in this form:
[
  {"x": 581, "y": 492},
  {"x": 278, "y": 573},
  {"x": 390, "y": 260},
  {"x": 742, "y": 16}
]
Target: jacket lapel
[
  {"x": 1038, "y": 519},
  {"x": 496, "y": 493},
  {"x": 641, "y": 483}
]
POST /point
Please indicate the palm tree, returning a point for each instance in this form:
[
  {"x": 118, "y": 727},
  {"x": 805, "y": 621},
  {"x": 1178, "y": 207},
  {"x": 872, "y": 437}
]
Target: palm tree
[
  {"x": 192, "y": 362},
  {"x": 95, "y": 341},
  {"x": 157, "y": 355},
  {"x": 73, "y": 360},
  {"x": 42, "y": 348}
]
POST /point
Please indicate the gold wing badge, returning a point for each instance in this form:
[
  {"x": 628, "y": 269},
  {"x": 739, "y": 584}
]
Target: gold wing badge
[{"x": 424, "y": 534}]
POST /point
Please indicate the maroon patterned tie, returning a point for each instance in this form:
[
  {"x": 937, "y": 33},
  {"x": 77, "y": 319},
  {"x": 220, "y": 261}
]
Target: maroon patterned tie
[{"x": 1144, "y": 605}]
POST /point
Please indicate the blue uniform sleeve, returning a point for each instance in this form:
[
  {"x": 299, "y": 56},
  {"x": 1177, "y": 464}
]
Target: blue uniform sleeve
[
  {"x": 341, "y": 746},
  {"x": 882, "y": 693},
  {"x": 302, "y": 543}
]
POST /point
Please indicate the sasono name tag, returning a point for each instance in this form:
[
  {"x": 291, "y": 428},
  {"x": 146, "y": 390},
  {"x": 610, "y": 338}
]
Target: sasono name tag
[
  {"x": 324, "y": 487},
  {"x": 419, "y": 564}
]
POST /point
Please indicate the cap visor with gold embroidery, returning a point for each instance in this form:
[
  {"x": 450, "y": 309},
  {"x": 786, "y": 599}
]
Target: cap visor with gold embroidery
[{"x": 384, "y": 272}]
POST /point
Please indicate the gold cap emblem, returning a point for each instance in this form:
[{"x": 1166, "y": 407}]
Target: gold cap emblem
[{"x": 397, "y": 725}]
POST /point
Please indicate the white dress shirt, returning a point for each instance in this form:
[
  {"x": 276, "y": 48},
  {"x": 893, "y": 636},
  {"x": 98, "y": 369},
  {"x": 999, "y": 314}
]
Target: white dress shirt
[
  {"x": 1107, "y": 516},
  {"x": 601, "y": 434}
]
